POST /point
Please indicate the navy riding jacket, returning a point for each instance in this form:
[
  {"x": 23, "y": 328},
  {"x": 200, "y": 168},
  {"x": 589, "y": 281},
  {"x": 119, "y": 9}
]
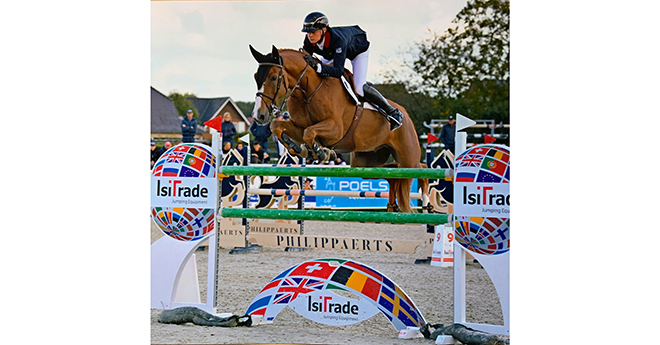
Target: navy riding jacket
[{"x": 340, "y": 43}]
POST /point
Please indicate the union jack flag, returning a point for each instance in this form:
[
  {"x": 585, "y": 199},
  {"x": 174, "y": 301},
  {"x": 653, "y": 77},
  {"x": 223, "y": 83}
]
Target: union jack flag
[
  {"x": 176, "y": 157},
  {"x": 292, "y": 287},
  {"x": 471, "y": 160}
]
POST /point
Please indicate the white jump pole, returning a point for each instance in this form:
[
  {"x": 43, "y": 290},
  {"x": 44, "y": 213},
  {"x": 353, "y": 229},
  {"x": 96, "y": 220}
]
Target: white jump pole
[
  {"x": 459, "y": 254},
  {"x": 497, "y": 266}
]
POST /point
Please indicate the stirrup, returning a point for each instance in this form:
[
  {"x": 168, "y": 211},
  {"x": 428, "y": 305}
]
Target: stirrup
[{"x": 395, "y": 121}]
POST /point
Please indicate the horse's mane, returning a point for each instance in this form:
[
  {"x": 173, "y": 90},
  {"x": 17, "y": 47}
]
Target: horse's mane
[{"x": 299, "y": 51}]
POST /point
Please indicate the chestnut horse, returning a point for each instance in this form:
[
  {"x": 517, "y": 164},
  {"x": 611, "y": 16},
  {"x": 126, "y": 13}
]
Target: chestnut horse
[{"x": 321, "y": 113}]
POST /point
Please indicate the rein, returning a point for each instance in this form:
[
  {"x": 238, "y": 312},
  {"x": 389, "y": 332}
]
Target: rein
[{"x": 275, "y": 107}]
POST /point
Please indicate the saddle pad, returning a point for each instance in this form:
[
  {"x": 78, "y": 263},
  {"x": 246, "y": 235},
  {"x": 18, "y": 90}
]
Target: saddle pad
[{"x": 347, "y": 81}]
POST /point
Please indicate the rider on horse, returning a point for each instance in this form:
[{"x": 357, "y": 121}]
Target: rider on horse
[{"x": 337, "y": 44}]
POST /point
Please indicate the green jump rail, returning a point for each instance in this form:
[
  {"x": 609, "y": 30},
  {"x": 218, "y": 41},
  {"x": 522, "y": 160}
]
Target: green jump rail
[
  {"x": 338, "y": 172},
  {"x": 337, "y": 216}
]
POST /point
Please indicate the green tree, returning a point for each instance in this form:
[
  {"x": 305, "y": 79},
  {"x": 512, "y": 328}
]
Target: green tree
[
  {"x": 466, "y": 69},
  {"x": 246, "y": 108},
  {"x": 182, "y": 104},
  {"x": 419, "y": 106}
]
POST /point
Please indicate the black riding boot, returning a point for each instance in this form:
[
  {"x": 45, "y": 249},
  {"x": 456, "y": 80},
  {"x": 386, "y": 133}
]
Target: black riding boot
[{"x": 372, "y": 95}]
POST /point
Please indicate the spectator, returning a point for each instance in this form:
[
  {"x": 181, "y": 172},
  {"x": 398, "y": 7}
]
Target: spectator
[
  {"x": 166, "y": 146},
  {"x": 188, "y": 127},
  {"x": 228, "y": 129},
  {"x": 340, "y": 160},
  {"x": 155, "y": 153},
  {"x": 261, "y": 133},
  {"x": 241, "y": 149},
  {"x": 281, "y": 149},
  {"x": 226, "y": 147},
  {"x": 448, "y": 133},
  {"x": 258, "y": 155}
]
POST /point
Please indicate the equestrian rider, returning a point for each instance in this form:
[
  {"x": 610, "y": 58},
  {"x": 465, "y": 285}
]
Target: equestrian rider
[{"x": 337, "y": 44}]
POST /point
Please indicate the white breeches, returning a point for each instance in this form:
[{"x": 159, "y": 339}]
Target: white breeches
[{"x": 360, "y": 65}]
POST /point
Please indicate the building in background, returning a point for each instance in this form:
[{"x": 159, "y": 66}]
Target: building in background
[{"x": 210, "y": 108}]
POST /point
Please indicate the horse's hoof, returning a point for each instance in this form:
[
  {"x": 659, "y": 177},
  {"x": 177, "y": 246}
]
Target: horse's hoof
[
  {"x": 321, "y": 156},
  {"x": 330, "y": 154},
  {"x": 393, "y": 208}
]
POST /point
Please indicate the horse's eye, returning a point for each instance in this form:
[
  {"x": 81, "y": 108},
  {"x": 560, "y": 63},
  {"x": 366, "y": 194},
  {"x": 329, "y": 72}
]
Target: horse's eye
[{"x": 273, "y": 78}]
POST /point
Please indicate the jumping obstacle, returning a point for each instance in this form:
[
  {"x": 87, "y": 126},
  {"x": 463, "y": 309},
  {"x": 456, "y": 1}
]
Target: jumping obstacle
[{"x": 497, "y": 267}]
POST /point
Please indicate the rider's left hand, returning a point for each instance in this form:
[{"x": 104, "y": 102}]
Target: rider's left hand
[{"x": 311, "y": 62}]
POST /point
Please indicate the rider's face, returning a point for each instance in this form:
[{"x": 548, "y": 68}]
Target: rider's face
[{"x": 315, "y": 36}]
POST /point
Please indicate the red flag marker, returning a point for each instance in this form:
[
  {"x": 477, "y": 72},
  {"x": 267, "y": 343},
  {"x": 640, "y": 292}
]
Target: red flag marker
[
  {"x": 215, "y": 123},
  {"x": 431, "y": 138},
  {"x": 488, "y": 139}
]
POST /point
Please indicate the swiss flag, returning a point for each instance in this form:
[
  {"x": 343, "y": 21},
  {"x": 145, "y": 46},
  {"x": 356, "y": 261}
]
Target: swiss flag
[
  {"x": 431, "y": 138},
  {"x": 316, "y": 269},
  {"x": 488, "y": 139}
]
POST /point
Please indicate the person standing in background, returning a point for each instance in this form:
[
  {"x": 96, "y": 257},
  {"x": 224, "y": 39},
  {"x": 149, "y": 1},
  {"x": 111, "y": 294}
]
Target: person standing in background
[
  {"x": 228, "y": 129},
  {"x": 448, "y": 134},
  {"x": 188, "y": 127}
]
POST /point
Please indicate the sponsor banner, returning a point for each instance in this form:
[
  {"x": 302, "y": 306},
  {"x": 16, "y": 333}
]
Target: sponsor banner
[
  {"x": 274, "y": 227},
  {"x": 336, "y": 243},
  {"x": 328, "y": 308},
  {"x": 481, "y": 199},
  {"x": 183, "y": 192},
  {"x": 232, "y": 233},
  {"x": 354, "y": 184}
]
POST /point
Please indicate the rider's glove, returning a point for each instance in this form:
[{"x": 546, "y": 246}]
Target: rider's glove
[{"x": 311, "y": 62}]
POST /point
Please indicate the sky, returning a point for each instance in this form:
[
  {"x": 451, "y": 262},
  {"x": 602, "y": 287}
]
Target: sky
[{"x": 203, "y": 47}]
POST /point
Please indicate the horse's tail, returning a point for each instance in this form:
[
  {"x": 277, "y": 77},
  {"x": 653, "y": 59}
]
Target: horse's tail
[{"x": 403, "y": 195}]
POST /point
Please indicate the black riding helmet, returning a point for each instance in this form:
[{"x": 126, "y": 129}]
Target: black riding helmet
[{"x": 315, "y": 21}]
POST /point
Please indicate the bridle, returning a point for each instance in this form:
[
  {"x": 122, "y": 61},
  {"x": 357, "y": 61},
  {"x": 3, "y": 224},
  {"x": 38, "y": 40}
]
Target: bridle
[{"x": 274, "y": 107}]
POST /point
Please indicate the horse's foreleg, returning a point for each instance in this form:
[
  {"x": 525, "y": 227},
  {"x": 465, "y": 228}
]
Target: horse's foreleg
[
  {"x": 290, "y": 136},
  {"x": 326, "y": 130}
]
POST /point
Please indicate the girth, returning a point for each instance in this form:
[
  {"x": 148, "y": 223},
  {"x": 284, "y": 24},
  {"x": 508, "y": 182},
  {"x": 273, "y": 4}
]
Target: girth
[{"x": 347, "y": 143}]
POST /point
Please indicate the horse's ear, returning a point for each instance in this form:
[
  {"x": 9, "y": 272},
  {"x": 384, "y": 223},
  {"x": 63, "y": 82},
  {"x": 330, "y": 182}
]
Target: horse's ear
[
  {"x": 276, "y": 54},
  {"x": 257, "y": 55}
]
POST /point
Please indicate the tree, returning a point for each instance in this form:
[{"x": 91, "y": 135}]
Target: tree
[
  {"x": 246, "y": 107},
  {"x": 182, "y": 104},
  {"x": 466, "y": 69}
]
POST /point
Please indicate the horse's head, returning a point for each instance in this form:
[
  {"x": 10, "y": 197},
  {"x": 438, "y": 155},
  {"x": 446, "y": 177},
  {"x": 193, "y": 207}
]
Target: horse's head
[{"x": 271, "y": 85}]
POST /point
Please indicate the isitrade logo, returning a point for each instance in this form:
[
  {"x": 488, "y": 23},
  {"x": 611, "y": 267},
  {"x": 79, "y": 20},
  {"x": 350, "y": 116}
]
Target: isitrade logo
[
  {"x": 331, "y": 309},
  {"x": 485, "y": 195},
  {"x": 325, "y": 305},
  {"x": 482, "y": 199},
  {"x": 174, "y": 188},
  {"x": 183, "y": 192}
]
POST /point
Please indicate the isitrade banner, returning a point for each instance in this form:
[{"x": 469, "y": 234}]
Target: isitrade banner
[
  {"x": 481, "y": 199},
  {"x": 183, "y": 192}
]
